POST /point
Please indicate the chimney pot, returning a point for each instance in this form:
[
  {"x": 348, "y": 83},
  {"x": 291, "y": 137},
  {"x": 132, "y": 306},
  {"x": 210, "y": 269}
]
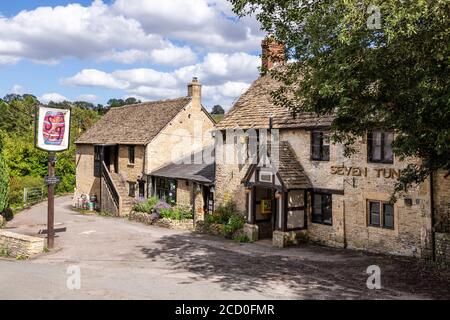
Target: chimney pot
[{"x": 273, "y": 53}]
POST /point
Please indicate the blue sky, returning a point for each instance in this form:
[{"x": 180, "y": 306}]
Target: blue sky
[{"x": 149, "y": 49}]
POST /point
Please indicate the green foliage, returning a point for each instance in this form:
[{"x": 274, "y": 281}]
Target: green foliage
[
  {"x": 242, "y": 238},
  {"x": 235, "y": 223},
  {"x": 395, "y": 76},
  {"x": 223, "y": 213},
  {"x": 227, "y": 216},
  {"x": 146, "y": 206},
  {"x": 114, "y": 103},
  {"x": 28, "y": 165},
  {"x": 17, "y": 184},
  {"x": 217, "y": 109},
  {"x": 5, "y": 252},
  {"x": 4, "y": 178},
  {"x": 178, "y": 212}
]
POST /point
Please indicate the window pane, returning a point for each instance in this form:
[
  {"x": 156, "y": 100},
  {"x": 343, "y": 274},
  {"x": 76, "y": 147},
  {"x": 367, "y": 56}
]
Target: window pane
[
  {"x": 375, "y": 213},
  {"x": 388, "y": 154},
  {"x": 296, "y": 198},
  {"x": 131, "y": 154},
  {"x": 317, "y": 204},
  {"x": 317, "y": 208},
  {"x": 296, "y": 219},
  {"x": 376, "y": 145},
  {"x": 327, "y": 208},
  {"x": 388, "y": 215},
  {"x": 326, "y": 153},
  {"x": 316, "y": 145}
]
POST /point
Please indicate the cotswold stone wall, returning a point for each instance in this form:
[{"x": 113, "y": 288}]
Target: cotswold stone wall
[
  {"x": 107, "y": 202},
  {"x": 129, "y": 171},
  {"x": 86, "y": 182},
  {"x": 177, "y": 138},
  {"x": 443, "y": 248},
  {"x": 20, "y": 245},
  {"x": 360, "y": 182},
  {"x": 229, "y": 175},
  {"x": 442, "y": 201},
  {"x": 143, "y": 217}
]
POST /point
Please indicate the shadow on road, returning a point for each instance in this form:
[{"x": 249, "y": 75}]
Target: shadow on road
[{"x": 278, "y": 276}]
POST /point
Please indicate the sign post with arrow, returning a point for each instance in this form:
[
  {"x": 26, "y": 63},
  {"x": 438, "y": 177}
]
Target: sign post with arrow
[{"x": 52, "y": 134}]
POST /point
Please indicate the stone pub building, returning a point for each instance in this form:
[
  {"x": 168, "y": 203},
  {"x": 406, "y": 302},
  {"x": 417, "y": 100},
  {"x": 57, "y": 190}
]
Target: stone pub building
[{"x": 314, "y": 192}]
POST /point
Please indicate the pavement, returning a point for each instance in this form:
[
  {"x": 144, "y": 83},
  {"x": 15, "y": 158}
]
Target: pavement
[{"x": 121, "y": 259}]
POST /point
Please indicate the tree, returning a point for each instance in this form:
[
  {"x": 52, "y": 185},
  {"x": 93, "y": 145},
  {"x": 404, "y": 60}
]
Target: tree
[
  {"x": 114, "y": 103},
  {"x": 4, "y": 178},
  {"x": 217, "y": 109},
  {"x": 373, "y": 64}
]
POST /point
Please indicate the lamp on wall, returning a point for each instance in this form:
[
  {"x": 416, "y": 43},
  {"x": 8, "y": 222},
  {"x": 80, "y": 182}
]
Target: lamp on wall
[
  {"x": 278, "y": 195},
  {"x": 248, "y": 190}
]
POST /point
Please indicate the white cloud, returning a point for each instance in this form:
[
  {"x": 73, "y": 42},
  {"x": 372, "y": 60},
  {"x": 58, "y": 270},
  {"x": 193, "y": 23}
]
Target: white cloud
[
  {"x": 17, "y": 89},
  {"x": 132, "y": 31},
  {"x": 52, "y": 97},
  {"x": 95, "y": 78},
  {"x": 174, "y": 56},
  {"x": 224, "y": 76},
  {"x": 88, "y": 98}
]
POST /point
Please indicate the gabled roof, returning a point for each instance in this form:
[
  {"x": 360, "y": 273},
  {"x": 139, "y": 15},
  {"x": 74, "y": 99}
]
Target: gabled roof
[
  {"x": 290, "y": 171},
  {"x": 135, "y": 124},
  {"x": 254, "y": 108},
  {"x": 187, "y": 169}
]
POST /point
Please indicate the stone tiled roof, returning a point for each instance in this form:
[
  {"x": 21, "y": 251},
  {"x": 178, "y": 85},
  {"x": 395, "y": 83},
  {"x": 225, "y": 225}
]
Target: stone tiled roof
[
  {"x": 254, "y": 107},
  {"x": 135, "y": 124},
  {"x": 188, "y": 170},
  {"x": 290, "y": 170}
]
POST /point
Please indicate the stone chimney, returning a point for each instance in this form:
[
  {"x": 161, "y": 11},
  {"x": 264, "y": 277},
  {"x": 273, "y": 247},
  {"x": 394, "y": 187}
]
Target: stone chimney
[
  {"x": 273, "y": 54},
  {"x": 195, "y": 89}
]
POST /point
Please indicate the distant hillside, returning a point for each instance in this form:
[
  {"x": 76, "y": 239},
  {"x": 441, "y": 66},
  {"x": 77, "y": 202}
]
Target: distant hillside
[{"x": 218, "y": 117}]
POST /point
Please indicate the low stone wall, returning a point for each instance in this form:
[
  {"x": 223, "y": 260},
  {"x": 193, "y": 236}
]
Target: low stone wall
[
  {"x": 143, "y": 217},
  {"x": 209, "y": 228},
  {"x": 20, "y": 245},
  {"x": 443, "y": 248}
]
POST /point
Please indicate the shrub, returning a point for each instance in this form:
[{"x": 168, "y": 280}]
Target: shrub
[
  {"x": 4, "y": 179},
  {"x": 242, "y": 238},
  {"x": 235, "y": 223},
  {"x": 147, "y": 205},
  {"x": 224, "y": 212},
  {"x": 179, "y": 212},
  {"x": 161, "y": 206}
]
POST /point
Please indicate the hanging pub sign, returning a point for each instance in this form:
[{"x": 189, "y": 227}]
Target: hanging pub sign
[{"x": 52, "y": 129}]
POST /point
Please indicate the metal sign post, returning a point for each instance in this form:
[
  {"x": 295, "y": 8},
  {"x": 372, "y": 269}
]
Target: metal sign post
[
  {"x": 51, "y": 200},
  {"x": 52, "y": 134}
]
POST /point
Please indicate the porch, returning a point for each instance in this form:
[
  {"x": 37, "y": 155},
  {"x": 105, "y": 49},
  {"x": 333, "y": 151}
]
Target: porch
[{"x": 277, "y": 200}]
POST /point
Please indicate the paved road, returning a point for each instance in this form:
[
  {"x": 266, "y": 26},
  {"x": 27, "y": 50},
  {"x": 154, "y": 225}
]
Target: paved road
[{"x": 120, "y": 259}]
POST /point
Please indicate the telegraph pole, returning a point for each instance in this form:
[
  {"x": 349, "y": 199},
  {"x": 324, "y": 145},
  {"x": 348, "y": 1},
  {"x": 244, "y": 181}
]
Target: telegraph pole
[{"x": 51, "y": 200}]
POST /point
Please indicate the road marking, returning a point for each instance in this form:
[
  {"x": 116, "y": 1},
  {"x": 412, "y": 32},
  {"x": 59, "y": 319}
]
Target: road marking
[{"x": 88, "y": 232}]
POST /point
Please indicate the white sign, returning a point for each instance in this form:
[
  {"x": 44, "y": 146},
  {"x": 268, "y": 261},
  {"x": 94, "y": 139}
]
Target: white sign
[{"x": 53, "y": 129}]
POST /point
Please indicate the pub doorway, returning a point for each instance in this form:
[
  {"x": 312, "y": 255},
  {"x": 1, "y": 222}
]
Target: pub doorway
[{"x": 265, "y": 211}]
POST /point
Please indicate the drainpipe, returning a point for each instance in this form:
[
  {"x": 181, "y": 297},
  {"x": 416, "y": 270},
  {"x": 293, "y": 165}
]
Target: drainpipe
[{"x": 433, "y": 241}]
